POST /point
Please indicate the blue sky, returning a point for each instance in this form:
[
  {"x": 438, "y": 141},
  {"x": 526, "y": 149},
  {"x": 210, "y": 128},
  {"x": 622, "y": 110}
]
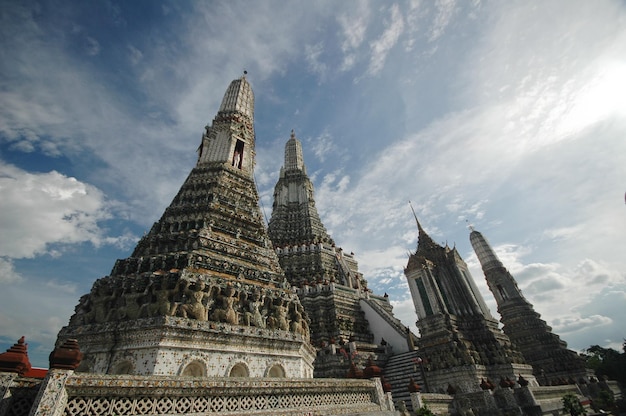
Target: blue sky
[{"x": 510, "y": 116}]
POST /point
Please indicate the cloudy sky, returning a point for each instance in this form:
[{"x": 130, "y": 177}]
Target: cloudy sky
[{"x": 509, "y": 116}]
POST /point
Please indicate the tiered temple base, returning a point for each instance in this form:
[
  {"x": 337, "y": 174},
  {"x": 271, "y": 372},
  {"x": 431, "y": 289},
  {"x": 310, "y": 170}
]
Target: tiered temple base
[{"x": 167, "y": 345}]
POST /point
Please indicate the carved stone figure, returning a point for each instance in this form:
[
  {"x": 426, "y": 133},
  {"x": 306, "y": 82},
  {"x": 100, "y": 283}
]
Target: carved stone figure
[
  {"x": 227, "y": 312},
  {"x": 160, "y": 304},
  {"x": 253, "y": 315},
  {"x": 194, "y": 305},
  {"x": 299, "y": 325},
  {"x": 82, "y": 311},
  {"x": 131, "y": 302},
  {"x": 279, "y": 318},
  {"x": 101, "y": 302}
]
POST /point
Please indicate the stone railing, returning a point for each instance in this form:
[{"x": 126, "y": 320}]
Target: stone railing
[
  {"x": 17, "y": 394},
  {"x": 64, "y": 392},
  {"x": 550, "y": 398},
  {"x": 438, "y": 404}
]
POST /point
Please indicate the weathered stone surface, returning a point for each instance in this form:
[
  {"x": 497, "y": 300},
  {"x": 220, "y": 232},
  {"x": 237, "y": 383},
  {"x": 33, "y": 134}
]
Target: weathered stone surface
[
  {"x": 460, "y": 340},
  {"x": 541, "y": 348},
  {"x": 328, "y": 282},
  {"x": 96, "y": 394},
  {"x": 208, "y": 263}
]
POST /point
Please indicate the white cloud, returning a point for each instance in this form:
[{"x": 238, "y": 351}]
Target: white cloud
[
  {"x": 387, "y": 262},
  {"x": 404, "y": 310},
  {"x": 312, "y": 55},
  {"x": 570, "y": 323},
  {"x": 381, "y": 46},
  {"x": 353, "y": 24},
  {"x": 66, "y": 287},
  {"x": 445, "y": 12},
  {"x": 7, "y": 272},
  {"x": 322, "y": 145},
  {"x": 39, "y": 209},
  {"x": 134, "y": 55},
  {"x": 92, "y": 46},
  {"x": 562, "y": 233}
]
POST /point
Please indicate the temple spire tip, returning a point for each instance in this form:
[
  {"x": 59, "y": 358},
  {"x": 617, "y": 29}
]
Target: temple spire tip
[{"x": 419, "y": 226}]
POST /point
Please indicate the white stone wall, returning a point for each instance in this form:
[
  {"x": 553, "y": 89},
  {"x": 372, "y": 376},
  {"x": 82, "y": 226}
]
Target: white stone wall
[
  {"x": 169, "y": 348},
  {"x": 381, "y": 328}
]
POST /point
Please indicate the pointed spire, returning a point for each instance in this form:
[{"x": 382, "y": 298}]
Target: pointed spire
[
  {"x": 423, "y": 239},
  {"x": 486, "y": 256},
  {"x": 239, "y": 97},
  {"x": 293, "y": 154},
  {"x": 229, "y": 140}
]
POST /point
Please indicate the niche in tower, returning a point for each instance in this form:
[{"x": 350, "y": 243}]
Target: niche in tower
[
  {"x": 502, "y": 292},
  {"x": 238, "y": 154}
]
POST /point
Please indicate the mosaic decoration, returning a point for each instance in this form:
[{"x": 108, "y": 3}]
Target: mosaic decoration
[{"x": 204, "y": 284}]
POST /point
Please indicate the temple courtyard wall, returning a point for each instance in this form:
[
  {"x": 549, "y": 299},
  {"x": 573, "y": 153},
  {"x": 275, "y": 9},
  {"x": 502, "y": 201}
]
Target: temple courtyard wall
[{"x": 65, "y": 392}]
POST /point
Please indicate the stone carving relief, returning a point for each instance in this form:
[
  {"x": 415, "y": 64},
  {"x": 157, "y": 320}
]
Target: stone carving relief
[
  {"x": 196, "y": 301},
  {"x": 194, "y": 296},
  {"x": 226, "y": 312}
]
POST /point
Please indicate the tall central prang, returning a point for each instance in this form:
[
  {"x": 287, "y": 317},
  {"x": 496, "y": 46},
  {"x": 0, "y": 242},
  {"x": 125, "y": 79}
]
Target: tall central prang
[{"x": 203, "y": 292}]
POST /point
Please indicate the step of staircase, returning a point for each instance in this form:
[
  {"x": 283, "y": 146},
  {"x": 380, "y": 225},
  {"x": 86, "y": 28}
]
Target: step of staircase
[{"x": 398, "y": 372}]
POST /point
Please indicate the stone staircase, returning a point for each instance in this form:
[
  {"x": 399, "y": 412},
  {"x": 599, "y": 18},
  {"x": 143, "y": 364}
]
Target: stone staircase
[{"x": 398, "y": 372}]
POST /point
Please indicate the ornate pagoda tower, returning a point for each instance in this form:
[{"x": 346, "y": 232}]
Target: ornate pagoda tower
[
  {"x": 306, "y": 251},
  {"x": 459, "y": 339},
  {"x": 545, "y": 351},
  {"x": 331, "y": 288},
  {"x": 203, "y": 293}
]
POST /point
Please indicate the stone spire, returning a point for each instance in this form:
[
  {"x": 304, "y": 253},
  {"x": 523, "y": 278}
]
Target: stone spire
[
  {"x": 329, "y": 284},
  {"x": 500, "y": 281},
  {"x": 544, "y": 350},
  {"x": 456, "y": 327},
  {"x": 239, "y": 98},
  {"x": 229, "y": 140},
  {"x": 205, "y": 280},
  {"x": 424, "y": 242},
  {"x": 293, "y": 155},
  {"x": 460, "y": 296},
  {"x": 295, "y": 219}
]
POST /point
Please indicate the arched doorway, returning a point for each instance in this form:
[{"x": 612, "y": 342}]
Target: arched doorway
[
  {"x": 276, "y": 370},
  {"x": 194, "y": 369},
  {"x": 239, "y": 370}
]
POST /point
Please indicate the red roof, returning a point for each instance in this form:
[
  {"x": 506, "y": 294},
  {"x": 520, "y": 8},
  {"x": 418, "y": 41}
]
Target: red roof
[{"x": 36, "y": 373}]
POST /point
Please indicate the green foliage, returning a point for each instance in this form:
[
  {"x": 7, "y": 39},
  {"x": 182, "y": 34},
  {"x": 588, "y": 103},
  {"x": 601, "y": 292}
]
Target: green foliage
[
  {"x": 604, "y": 401},
  {"x": 424, "y": 411},
  {"x": 607, "y": 362},
  {"x": 572, "y": 405}
]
